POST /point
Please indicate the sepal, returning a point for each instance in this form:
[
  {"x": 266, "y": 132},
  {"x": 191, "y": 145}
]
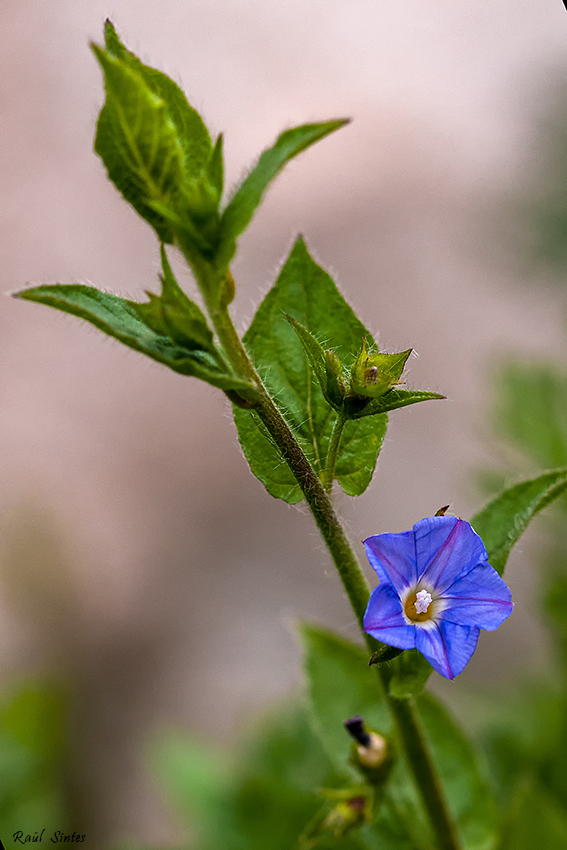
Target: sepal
[{"x": 326, "y": 365}]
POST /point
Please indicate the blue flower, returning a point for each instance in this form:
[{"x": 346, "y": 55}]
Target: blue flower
[{"x": 437, "y": 591}]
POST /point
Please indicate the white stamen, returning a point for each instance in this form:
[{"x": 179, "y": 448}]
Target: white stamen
[{"x": 423, "y": 600}]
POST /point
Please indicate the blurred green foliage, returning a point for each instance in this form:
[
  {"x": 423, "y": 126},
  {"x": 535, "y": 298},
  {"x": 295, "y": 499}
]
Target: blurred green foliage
[{"x": 33, "y": 747}]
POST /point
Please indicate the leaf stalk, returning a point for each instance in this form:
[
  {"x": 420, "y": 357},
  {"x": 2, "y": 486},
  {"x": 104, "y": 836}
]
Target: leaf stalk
[{"x": 328, "y": 474}]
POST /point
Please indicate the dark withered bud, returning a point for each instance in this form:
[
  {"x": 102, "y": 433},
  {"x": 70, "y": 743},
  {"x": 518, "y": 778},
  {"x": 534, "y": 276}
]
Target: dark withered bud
[{"x": 371, "y": 751}]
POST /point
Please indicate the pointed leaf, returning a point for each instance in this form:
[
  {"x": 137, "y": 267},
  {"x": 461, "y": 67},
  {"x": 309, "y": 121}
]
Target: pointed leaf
[
  {"x": 121, "y": 319},
  {"x": 192, "y": 132},
  {"x": 244, "y": 203},
  {"x": 314, "y": 351},
  {"x": 505, "y": 518},
  {"x": 307, "y": 293},
  {"x": 138, "y": 142},
  {"x": 391, "y": 401},
  {"x": 215, "y": 167},
  {"x": 183, "y": 318}
]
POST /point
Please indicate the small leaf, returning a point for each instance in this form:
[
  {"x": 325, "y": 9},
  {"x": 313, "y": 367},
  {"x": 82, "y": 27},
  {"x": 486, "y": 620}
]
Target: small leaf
[
  {"x": 245, "y": 201},
  {"x": 305, "y": 292},
  {"x": 183, "y": 318},
  {"x": 335, "y": 388},
  {"x": 391, "y": 401},
  {"x": 505, "y": 518},
  {"x": 215, "y": 167},
  {"x": 121, "y": 319},
  {"x": 314, "y": 351}
]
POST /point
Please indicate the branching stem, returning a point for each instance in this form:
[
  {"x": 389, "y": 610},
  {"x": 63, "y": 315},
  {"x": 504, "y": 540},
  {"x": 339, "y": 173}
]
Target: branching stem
[{"x": 353, "y": 579}]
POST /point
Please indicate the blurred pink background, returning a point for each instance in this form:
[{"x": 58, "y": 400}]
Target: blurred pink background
[{"x": 138, "y": 553}]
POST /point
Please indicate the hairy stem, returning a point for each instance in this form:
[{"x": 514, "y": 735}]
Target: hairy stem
[
  {"x": 346, "y": 562},
  {"x": 424, "y": 773},
  {"x": 331, "y": 461}
]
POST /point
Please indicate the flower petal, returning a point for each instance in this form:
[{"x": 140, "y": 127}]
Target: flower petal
[
  {"x": 392, "y": 557},
  {"x": 385, "y": 621},
  {"x": 448, "y": 647},
  {"x": 480, "y": 598},
  {"x": 446, "y": 548}
]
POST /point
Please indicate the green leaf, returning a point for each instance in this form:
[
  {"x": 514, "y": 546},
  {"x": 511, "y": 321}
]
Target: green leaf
[
  {"x": 314, "y": 351},
  {"x": 341, "y": 685},
  {"x": 264, "y": 457},
  {"x": 410, "y": 673},
  {"x": 122, "y": 320},
  {"x": 505, "y": 518},
  {"x": 183, "y": 318},
  {"x": 138, "y": 142},
  {"x": 33, "y": 741},
  {"x": 358, "y": 453},
  {"x": 215, "y": 167},
  {"x": 391, "y": 401},
  {"x": 245, "y": 201},
  {"x": 326, "y": 365},
  {"x": 307, "y": 293},
  {"x": 191, "y": 130}
]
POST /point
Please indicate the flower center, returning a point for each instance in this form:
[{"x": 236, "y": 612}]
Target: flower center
[{"x": 418, "y": 607}]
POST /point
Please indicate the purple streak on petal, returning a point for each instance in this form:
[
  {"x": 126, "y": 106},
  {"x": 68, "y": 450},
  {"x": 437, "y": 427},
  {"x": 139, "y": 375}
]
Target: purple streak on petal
[
  {"x": 392, "y": 557},
  {"x": 448, "y": 647},
  {"x": 385, "y": 621},
  {"x": 480, "y": 598},
  {"x": 447, "y": 548}
]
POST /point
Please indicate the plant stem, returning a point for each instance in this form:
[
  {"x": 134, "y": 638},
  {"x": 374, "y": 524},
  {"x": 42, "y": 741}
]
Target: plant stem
[
  {"x": 331, "y": 461},
  {"x": 424, "y": 773},
  {"x": 346, "y": 562}
]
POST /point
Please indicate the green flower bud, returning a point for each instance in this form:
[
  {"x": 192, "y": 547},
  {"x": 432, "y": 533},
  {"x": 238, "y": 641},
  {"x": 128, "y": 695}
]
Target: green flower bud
[
  {"x": 374, "y": 374},
  {"x": 347, "y": 814}
]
